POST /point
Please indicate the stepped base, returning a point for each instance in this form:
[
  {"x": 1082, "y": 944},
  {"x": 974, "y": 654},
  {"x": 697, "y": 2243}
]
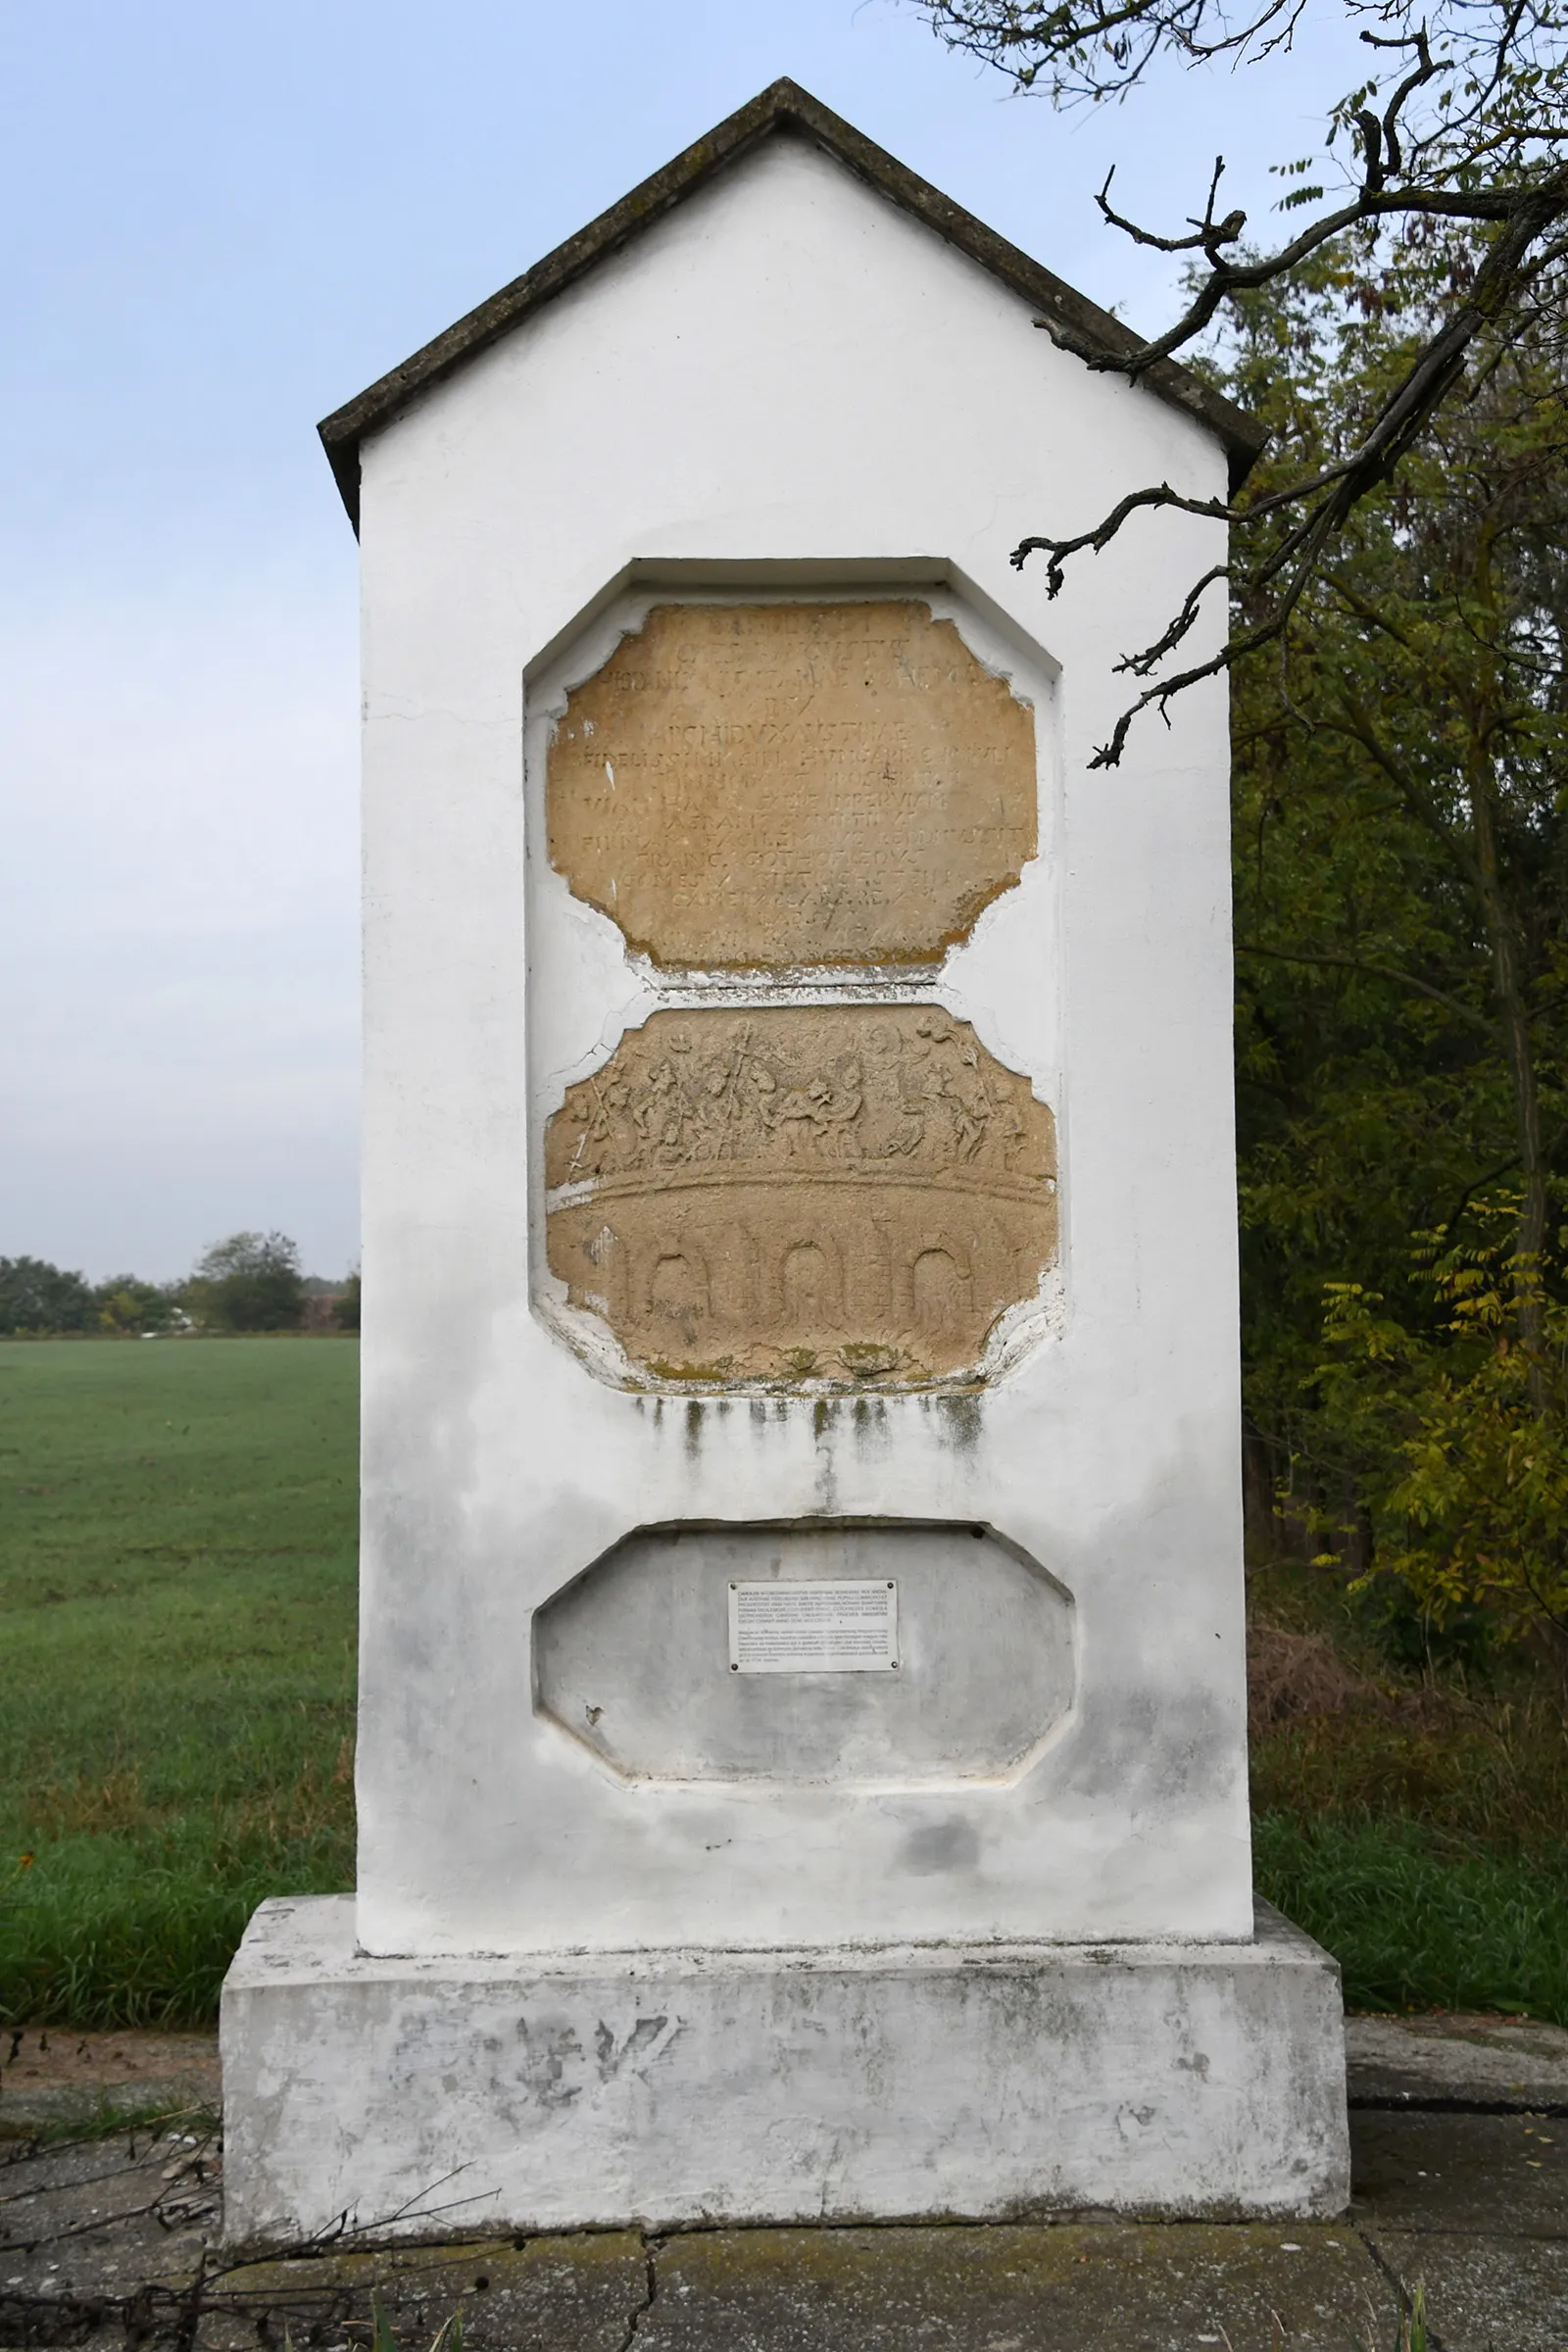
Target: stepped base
[{"x": 410, "y": 2099}]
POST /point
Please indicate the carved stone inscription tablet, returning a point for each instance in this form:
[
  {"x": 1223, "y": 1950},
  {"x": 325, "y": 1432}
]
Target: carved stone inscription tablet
[
  {"x": 768, "y": 786},
  {"x": 842, "y": 1193}
]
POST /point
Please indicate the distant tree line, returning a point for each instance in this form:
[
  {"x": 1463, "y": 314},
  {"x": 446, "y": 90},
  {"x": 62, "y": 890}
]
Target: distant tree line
[{"x": 250, "y": 1281}]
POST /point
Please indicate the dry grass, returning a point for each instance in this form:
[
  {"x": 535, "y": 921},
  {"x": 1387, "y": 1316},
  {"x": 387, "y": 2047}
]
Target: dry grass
[
  {"x": 1293, "y": 1672},
  {"x": 1478, "y": 1758}
]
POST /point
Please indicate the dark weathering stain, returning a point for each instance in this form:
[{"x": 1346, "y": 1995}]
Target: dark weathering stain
[
  {"x": 951, "y": 1844},
  {"x": 960, "y": 1421}
]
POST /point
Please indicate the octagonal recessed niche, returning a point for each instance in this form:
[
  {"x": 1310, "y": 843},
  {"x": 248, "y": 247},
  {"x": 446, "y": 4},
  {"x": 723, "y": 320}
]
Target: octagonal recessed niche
[{"x": 633, "y": 1659}]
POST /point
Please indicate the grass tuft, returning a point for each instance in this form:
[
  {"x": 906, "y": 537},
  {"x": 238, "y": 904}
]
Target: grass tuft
[{"x": 1417, "y": 1926}]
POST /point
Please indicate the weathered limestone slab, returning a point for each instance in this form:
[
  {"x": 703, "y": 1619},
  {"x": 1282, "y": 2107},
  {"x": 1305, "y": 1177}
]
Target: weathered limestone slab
[
  {"x": 785, "y": 785},
  {"x": 849, "y": 1193},
  {"x": 422, "y": 2098}
]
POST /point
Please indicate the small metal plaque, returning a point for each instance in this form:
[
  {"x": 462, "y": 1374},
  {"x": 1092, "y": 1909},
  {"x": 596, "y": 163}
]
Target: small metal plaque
[{"x": 839, "y": 1625}]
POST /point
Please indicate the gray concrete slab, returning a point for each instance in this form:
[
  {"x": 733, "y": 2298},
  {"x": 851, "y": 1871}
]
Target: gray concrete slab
[
  {"x": 1016, "y": 2288},
  {"x": 1484, "y": 2295},
  {"x": 1474, "y": 2208},
  {"x": 1450, "y": 2057},
  {"x": 584, "y": 2293},
  {"x": 104, "y": 2234},
  {"x": 1502, "y": 2172}
]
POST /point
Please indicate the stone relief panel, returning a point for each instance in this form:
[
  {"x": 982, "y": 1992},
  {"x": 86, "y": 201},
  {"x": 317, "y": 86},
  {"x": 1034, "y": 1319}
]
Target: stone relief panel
[
  {"x": 846, "y": 1194},
  {"x": 777, "y": 786}
]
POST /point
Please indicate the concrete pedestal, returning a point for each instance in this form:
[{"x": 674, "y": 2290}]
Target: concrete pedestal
[{"x": 427, "y": 2097}]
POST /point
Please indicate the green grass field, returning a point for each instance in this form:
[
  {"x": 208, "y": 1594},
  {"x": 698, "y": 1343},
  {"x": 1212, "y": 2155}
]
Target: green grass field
[
  {"x": 176, "y": 1620},
  {"x": 176, "y": 1623}
]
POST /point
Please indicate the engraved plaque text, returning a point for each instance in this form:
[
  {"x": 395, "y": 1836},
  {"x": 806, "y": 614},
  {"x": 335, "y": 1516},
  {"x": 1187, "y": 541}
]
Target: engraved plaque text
[
  {"x": 778, "y": 786},
  {"x": 838, "y": 1625}
]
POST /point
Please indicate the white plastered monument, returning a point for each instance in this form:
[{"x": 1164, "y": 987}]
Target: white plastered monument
[{"x": 801, "y": 1761}]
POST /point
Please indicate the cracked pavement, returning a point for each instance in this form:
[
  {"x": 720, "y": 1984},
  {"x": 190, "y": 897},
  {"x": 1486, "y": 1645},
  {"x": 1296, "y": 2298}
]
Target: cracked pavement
[{"x": 111, "y": 2238}]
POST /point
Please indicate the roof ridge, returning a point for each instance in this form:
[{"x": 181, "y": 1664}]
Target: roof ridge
[{"x": 784, "y": 106}]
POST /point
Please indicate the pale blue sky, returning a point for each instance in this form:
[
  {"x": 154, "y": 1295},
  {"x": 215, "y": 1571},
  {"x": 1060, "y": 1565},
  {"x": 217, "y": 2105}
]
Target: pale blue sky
[{"x": 223, "y": 217}]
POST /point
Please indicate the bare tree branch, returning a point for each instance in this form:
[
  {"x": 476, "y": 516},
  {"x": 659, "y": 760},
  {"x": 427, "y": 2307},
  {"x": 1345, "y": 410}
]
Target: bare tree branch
[
  {"x": 1139, "y": 664},
  {"x": 1463, "y": 121}
]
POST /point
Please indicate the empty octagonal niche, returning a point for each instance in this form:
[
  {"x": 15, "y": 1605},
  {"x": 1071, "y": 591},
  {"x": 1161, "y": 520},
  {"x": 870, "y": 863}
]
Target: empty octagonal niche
[{"x": 632, "y": 1659}]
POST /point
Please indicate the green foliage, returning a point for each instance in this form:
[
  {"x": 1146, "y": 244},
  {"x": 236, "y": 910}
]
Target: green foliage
[
  {"x": 348, "y": 1304},
  {"x": 1448, "y": 147},
  {"x": 1401, "y": 900},
  {"x": 36, "y": 1297},
  {"x": 251, "y": 1282},
  {"x": 1463, "y": 1432},
  {"x": 128, "y": 1306},
  {"x": 38, "y": 1301},
  {"x": 1408, "y": 1638},
  {"x": 177, "y": 1550},
  {"x": 1411, "y": 1819}
]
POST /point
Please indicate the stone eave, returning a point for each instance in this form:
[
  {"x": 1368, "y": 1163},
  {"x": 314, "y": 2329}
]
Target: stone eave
[{"x": 783, "y": 107}]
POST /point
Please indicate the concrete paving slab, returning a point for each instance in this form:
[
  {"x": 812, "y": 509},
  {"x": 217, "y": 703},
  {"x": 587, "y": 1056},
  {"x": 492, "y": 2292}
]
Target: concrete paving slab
[
  {"x": 1016, "y": 2288},
  {"x": 584, "y": 2293},
  {"x": 101, "y": 2228},
  {"x": 1485, "y": 2294},
  {"x": 1481, "y": 2173},
  {"x": 1458, "y": 2058}
]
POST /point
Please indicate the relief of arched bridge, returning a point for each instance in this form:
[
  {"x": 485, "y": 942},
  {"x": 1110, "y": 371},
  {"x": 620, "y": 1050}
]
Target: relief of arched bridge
[{"x": 831, "y": 1193}]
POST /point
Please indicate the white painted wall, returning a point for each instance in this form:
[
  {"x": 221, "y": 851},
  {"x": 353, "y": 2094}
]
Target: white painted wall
[{"x": 787, "y": 371}]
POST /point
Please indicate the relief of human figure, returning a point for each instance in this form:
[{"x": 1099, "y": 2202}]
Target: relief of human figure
[
  {"x": 801, "y": 1117},
  {"x": 661, "y": 1116},
  {"x": 915, "y": 1092},
  {"x": 841, "y": 1110}
]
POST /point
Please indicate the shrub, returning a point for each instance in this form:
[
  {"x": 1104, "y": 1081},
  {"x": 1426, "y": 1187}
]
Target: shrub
[{"x": 252, "y": 1282}]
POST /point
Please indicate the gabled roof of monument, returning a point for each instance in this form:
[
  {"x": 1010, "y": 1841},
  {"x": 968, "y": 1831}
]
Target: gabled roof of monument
[{"x": 782, "y": 108}]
